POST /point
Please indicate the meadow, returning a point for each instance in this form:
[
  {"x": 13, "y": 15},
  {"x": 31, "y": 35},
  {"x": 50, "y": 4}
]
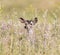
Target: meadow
[{"x": 13, "y": 35}]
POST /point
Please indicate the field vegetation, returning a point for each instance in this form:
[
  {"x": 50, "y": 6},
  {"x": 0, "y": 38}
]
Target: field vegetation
[{"x": 13, "y": 35}]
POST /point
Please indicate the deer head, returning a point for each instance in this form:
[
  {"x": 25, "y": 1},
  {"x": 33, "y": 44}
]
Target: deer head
[{"x": 28, "y": 23}]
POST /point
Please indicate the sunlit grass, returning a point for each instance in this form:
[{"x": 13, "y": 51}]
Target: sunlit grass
[{"x": 13, "y": 39}]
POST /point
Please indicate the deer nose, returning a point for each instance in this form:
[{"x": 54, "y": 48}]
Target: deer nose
[{"x": 31, "y": 24}]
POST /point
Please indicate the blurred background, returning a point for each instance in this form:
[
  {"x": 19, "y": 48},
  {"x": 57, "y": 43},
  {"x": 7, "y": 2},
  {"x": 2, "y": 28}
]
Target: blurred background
[{"x": 39, "y": 4}]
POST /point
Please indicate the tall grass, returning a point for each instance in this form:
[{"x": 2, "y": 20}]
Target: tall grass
[{"x": 13, "y": 35}]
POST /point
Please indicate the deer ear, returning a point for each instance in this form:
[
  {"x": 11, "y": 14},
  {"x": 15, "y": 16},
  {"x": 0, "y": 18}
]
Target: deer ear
[
  {"x": 22, "y": 20},
  {"x": 35, "y": 20}
]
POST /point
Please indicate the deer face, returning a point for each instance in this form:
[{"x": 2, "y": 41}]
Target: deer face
[{"x": 28, "y": 23}]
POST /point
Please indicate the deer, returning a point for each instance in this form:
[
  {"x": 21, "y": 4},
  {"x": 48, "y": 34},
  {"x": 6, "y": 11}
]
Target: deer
[{"x": 29, "y": 26}]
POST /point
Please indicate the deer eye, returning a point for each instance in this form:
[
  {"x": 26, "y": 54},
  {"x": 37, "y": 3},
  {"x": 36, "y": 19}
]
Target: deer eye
[{"x": 25, "y": 27}]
